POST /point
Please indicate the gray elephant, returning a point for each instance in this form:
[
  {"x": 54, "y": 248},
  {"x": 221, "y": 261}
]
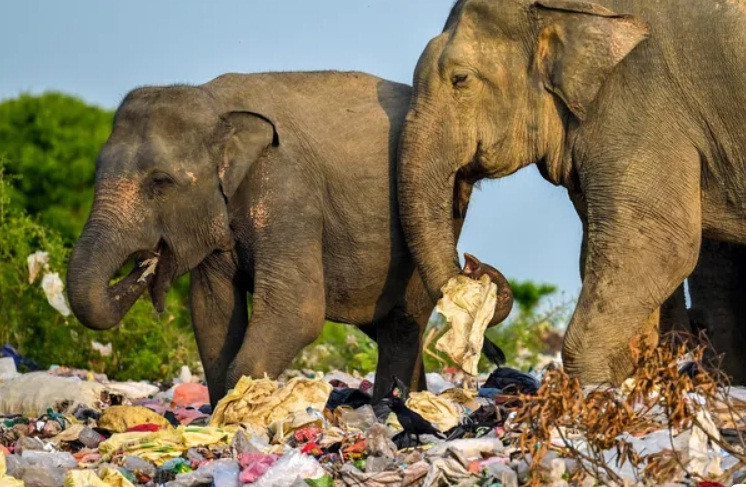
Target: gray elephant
[
  {"x": 717, "y": 287},
  {"x": 636, "y": 107},
  {"x": 281, "y": 185}
]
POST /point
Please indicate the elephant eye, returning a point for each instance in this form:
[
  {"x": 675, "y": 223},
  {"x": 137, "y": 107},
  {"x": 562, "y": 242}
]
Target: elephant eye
[
  {"x": 159, "y": 181},
  {"x": 459, "y": 79}
]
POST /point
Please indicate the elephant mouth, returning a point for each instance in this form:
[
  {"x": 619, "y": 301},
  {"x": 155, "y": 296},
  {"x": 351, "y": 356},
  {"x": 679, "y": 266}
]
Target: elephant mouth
[{"x": 157, "y": 271}]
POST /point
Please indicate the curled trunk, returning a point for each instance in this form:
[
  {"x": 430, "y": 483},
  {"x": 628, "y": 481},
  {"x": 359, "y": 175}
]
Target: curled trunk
[
  {"x": 428, "y": 168},
  {"x": 95, "y": 260}
]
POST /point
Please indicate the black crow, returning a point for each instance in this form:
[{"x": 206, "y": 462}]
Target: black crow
[
  {"x": 493, "y": 353},
  {"x": 413, "y": 423}
]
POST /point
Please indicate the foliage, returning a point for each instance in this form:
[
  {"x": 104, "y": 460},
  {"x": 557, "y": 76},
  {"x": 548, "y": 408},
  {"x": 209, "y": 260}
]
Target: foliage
[
  {"x": 584, "y": 424},
  {"x": 144, "y": 345},
  {"x": 340, "y": 347},
  {"x": 51, "y": 143}
]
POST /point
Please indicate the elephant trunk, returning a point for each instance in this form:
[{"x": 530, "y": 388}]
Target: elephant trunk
[
  {"x": 426, "y": 181},
  {"x": 95, "y": 259}
]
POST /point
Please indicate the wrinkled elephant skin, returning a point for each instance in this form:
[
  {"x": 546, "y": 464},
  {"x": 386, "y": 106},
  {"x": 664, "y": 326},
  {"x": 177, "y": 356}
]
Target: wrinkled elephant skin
[{"x": 636, "y": 107}]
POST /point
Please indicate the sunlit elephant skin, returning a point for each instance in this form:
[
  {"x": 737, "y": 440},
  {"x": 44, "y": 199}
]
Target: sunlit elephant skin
[
  {"x": 281, "y": 185},
  {"x": 636, "y": 107}
]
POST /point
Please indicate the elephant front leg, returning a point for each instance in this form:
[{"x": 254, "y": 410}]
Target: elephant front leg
[
  {"x": 644, "y": 231},
  {"x": 219, "y": 316}
]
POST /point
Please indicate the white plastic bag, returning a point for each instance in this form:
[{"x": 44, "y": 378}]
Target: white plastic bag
[
  {"x": 285, "y": 471},
  {"x": 54, "y": 289},
  {"x": 31, "y": 394},
  {"x": 468, "y": 305},
  {"x": 37, "y": 262}
]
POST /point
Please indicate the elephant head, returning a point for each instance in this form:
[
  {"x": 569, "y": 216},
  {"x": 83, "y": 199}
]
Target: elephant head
[
  {"x": 163, "y": 180},
  {"x": 495, "y": 92}
]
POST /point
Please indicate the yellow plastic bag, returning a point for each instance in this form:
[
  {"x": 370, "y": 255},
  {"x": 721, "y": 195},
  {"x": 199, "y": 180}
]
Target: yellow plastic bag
[
  {"x": 464, "y": 397},
  {"x": 114, "y": 478},
  {"x": 468, "y": 305},
  {"x": 160, "y": 446},
  {"x": 440, "y": 411},
  {"x": 261, "y": 402},
  {"x": 121, "y": 418},
  {"x": 83, "y": 478}
]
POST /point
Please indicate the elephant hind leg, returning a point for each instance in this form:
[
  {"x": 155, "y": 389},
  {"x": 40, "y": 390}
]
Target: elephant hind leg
[
  {"x": 399, "y": 338},
  {"x": 717, "y": 287}
]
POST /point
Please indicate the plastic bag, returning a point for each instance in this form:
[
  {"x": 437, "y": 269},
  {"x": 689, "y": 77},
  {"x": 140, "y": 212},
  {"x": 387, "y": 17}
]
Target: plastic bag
[
  {"x": 165, "y": 444},
  {"x": 440, "y": 411},
  {"x": 55, "y": 292},
  {"x": 121, "y": 418},
  {"x": 31, "y": 394},
  {"x": 291, "y": 466},
  {"x": 84, "y": 478},
  {"x": 468, "y": 305},
  {"x": 261, "y": 402},
  {"x": 37, "y": 262},
  {"x": 5, "y": 480}
]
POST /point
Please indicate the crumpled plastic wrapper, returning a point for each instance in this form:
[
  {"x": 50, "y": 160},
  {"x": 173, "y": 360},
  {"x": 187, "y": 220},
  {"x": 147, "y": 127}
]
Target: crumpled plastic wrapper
[
  {"x": 261, "y": 402},
  {"x": 121, "y": 418},
  {"x": 160, "y": 446},
  {"x": 468, "y": 305},
  {"x": 84, "y": 478},
  {"x": 296, "y": 420},
  {"x": 438, "y": 410},
  {"x": 31, "y": 394},
  {"x": 55, "y": 292},
  {"x": 37, "y": 262}
]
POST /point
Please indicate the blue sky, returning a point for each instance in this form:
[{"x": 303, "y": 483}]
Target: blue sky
[{"x": 99, "y": 50}]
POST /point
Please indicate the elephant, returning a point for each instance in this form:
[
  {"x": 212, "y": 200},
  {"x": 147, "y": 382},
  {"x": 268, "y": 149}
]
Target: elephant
[
  {"x": 716, "y": 290},
  {"x": 281, "y": 185},
  {"x": 635, "y": 107}
]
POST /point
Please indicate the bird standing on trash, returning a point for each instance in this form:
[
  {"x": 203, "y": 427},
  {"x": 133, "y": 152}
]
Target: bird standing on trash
[{"x": 412, "y": 422}]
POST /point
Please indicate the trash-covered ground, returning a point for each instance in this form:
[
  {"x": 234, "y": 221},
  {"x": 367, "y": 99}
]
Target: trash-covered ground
[{"x": 669, "y": 423}]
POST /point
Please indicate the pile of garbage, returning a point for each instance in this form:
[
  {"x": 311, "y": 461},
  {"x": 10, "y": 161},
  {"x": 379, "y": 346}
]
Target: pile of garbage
[
  {"x": 75, "y": 428},
  {"x": 674, "y": 422}
]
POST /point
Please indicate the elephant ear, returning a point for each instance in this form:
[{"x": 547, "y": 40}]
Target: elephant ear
[
  {"x": 579, "y": 45},
  {"x": 248, "y": 135}
]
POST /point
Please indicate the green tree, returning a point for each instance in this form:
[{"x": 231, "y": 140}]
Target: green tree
[{"x": 50, "y": 143}]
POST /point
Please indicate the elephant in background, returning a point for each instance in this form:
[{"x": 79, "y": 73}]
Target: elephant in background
[
  {"x": 717, "y": 289},
  {"x": 282, "y": 185},
  {"x": 635, "y": 107}
]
